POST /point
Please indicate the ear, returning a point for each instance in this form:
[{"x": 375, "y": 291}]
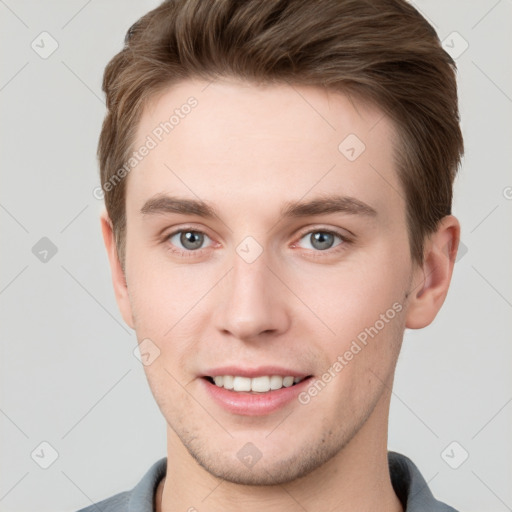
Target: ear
[
  {"x": 431, "y": 280},
  {"x": 118, "y": 277}
]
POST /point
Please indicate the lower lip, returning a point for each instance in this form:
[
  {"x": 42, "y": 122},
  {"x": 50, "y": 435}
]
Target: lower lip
[{"x": 254, "y": 404}]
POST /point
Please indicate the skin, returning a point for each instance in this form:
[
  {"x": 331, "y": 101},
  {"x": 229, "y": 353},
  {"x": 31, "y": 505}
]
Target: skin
[{"x": 248, "y": 149}]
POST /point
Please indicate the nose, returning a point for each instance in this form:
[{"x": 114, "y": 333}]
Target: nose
[{"x": 252, "y": 301}]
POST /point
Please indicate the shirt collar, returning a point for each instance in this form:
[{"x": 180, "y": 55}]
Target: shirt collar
[{"x": 408, "y": 483}]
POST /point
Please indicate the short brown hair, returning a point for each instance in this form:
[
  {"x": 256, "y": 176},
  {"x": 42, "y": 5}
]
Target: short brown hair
[{"x": 382, "y": 51}]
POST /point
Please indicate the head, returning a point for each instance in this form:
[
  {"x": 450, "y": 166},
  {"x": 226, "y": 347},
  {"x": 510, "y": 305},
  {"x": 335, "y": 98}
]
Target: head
[{"x": 247, "y": 111}]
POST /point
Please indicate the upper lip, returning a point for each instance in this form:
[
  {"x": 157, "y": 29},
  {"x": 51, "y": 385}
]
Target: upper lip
[{"x": 257, "y": 371}]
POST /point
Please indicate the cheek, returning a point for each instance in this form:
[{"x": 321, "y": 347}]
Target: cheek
[
  {"x": 349, "y": 298},
  {"x": 161, "y": 292},
  {"x": 361, "y": 363},
  {"x": 362, "y": 304},
  {"x": 166, "y": 301}
]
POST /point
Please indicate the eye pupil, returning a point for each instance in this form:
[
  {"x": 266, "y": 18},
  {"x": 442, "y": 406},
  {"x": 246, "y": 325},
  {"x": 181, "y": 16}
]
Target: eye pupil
[
  {"x": 322, "y": 240},
  {"x": 191, "y": 239}
]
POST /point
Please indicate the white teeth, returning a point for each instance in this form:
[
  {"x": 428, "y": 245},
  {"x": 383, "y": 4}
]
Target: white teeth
[
  {"x": 227, "y": 382},
  {"x": 276, "y": 382},
  {"x": 287, "y": 382},
  {"x": 242, "y": 384},
  {"x": 260, "y": 384}
]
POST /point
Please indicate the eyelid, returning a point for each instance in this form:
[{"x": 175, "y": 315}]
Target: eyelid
[
  {"x": 187, "y": 227},
  {"x": 344, "y": 232}
]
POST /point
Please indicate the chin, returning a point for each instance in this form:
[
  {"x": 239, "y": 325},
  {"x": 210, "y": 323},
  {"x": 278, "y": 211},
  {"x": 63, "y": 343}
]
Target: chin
[{"x": 274, "y": 464}]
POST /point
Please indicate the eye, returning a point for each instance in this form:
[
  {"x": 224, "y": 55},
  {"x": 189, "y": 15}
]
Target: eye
[
  {"x": 322, "y": 240},
  {"x": 187, "y": 240}
]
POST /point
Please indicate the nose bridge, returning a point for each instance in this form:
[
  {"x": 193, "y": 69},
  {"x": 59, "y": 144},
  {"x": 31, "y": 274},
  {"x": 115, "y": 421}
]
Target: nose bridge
[
  {"x": 251, "y": 302},
  {"x": 250, "y": 274}
]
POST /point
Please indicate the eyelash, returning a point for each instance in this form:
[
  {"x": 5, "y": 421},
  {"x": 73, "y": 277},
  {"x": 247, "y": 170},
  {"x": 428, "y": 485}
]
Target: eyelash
[{"x": 315, "y": 253}]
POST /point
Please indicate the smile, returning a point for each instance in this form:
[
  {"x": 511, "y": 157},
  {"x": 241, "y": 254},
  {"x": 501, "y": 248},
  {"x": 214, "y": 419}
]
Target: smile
[{"x": 261, "y": 384}]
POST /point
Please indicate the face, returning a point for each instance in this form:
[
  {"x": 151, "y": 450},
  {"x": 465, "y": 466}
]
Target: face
[{"x": 294, "y": 263}]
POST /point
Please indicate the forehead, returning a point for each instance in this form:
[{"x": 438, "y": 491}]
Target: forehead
[{"x": 234, "y": 139}]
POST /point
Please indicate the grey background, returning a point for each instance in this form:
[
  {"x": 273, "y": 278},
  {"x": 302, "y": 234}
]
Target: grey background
[{"x": 68, "y": 373}]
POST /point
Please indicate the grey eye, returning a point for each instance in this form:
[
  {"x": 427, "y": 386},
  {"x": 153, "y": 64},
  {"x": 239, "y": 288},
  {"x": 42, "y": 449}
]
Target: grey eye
[
  {"x": 321, "y": 240},
  {"x": 189, "y": 240}
]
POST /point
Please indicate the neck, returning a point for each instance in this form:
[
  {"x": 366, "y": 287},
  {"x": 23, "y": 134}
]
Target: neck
[{"x": 356, "y": 478}]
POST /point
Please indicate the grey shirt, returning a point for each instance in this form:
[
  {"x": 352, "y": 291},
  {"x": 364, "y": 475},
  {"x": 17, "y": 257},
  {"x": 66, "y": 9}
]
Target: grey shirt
[{"x": 408, "y": 483}]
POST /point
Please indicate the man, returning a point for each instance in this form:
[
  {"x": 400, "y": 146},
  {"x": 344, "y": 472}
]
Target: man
[{"x": 278, "y": 183}]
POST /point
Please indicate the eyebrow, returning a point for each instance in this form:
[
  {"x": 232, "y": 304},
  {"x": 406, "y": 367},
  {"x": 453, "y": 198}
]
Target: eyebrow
[
  {"x": 328, "y": 204},
  {"x": 163, "y": 204}
]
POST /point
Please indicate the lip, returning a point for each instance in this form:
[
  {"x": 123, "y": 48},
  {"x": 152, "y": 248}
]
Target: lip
[
  {"x": 253, "y": 404},
  {"x": 254, "y": 372}
]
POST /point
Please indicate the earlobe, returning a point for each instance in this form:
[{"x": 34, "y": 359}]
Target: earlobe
[
  {"x": 118, "y": 275},
  {"x": 431, "y": 281}
]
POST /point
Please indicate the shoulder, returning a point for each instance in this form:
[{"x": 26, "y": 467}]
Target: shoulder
[
  {"x": 411, "y": 488},
  {"x": 117, "y": 503},
  {"x": 140, "y": 498}
]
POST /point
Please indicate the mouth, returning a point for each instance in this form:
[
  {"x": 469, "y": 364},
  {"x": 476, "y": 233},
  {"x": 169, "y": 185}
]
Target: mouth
[
  {"x": 257, "y": 393},
  {"x": 255, "y": 385},
  {"x": 254, "y": 390}
]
